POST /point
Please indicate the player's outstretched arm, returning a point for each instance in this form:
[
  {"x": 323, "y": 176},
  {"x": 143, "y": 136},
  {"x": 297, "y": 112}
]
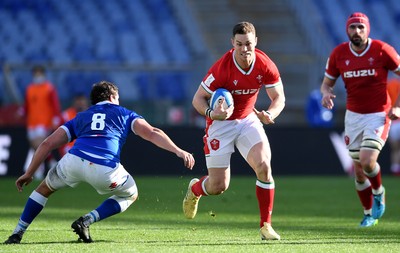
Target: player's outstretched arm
[
  {"x": 161, "y": 139},
  {"x": 55, "y": 140}
]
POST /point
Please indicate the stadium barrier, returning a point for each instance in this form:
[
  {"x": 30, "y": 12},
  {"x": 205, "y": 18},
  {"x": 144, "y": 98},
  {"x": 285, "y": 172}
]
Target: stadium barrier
[{"x": 295, "y": 151}]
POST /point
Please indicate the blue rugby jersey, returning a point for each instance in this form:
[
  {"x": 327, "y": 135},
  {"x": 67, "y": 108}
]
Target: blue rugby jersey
[{"x": 100, "y": 132}]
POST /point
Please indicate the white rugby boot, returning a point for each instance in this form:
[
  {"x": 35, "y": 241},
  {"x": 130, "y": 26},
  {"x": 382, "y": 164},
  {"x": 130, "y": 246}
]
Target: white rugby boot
[{"x": 268, "y": 233}]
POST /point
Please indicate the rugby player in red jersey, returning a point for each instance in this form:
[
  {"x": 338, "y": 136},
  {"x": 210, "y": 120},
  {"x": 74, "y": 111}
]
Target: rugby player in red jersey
[
  {"x": 363, "y": 64},
  {"x": 243, "y": 71}
]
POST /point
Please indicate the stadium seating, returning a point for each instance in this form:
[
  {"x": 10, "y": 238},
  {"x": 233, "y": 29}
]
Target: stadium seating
[
  {"x": 156, "y": 33},
  {"x": 90, "y": 32},
  {"x": 384, "y": 17}
]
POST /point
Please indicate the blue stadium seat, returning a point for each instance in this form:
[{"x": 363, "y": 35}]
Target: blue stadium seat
[
  {"x": 83, "y": 52},
  {"x": 336, "y": 13},
  {"x": 179, "y": 51},
  {"x": 128, "y": 90},
  {"x": 127, "y": 46},
  {"x": 81, "y": 82},
  {"x": 145, "y": 83},
  {"x": 159, "y": 10},
  {"x": 96, "y": 31},
  {"x": 74, "y": 23},
  {"x": 22, "y": 80},
  {"x": 170, "y": 85}
]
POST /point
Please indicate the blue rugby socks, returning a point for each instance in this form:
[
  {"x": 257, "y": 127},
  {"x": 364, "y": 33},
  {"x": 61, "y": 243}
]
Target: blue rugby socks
[{"x": 33, "y": 207}]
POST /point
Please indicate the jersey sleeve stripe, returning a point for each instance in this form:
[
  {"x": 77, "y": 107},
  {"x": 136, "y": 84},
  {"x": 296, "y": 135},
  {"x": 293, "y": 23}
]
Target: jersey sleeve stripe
[
  {"x": 67, "y": 132},
  {"x": 330, "y": 77},
  {"x": 268, "y": 86},
  {"x": 205, "y": 87}
]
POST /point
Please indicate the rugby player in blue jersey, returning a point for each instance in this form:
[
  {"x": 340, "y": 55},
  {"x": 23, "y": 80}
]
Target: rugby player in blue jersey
[{"x": 100, "y": 133}]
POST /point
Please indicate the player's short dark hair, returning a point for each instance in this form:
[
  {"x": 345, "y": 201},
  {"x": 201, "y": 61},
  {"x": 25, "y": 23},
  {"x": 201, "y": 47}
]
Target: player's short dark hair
[
  {"x": 38, "y": 69},
  {"x": 102, "y": 91},
  {"x": 243, "y": 28}
]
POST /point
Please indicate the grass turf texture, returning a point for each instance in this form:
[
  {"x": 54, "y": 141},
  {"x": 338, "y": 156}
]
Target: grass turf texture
[{"x": 312, "y": 214}]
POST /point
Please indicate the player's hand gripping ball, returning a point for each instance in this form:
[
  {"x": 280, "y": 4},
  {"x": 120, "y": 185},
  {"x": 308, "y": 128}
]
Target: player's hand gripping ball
[{"x": 217, "y": 96}]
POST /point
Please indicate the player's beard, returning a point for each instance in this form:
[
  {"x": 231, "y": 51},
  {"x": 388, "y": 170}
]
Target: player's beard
[{"x": 356, "y": 41}]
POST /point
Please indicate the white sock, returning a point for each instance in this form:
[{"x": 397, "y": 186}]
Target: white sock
[{"x": 91, "y": 218}]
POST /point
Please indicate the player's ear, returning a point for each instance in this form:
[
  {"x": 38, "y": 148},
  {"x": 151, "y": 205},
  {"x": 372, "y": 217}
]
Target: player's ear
[{"x": 114, "y": 98}]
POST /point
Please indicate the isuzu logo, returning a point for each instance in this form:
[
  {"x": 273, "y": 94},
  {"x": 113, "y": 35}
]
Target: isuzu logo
[
  {"x": 244, "y": 91},
  {"x": 359, "y": 73}
]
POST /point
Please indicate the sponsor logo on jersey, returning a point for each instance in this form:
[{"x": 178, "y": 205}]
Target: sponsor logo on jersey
[
  {"x": 244, "y": 91},
  {"x": 359, "y": 73},
  {"x": 209, "y": 80}
]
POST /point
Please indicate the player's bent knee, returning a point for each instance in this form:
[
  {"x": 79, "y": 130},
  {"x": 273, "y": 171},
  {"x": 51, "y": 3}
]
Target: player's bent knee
[
  {"x": 124, "y": 202},
  {"x": 264, "y": 174},
  {"x": 44, "y": 189},
  {"x": 127, "y": 196}
]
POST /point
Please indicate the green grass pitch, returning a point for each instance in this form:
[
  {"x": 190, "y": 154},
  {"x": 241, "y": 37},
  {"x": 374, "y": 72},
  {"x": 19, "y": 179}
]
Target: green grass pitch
[{"x": 312, "y": 214}]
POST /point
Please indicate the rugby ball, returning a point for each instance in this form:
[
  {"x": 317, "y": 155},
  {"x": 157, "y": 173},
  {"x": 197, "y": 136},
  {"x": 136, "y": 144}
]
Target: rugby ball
[{"x": 217, "y": 95}]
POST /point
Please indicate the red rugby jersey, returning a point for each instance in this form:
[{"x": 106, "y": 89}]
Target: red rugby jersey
[
  {"x": 364, "y": 74},
  {"x": 244, "y": 85}
]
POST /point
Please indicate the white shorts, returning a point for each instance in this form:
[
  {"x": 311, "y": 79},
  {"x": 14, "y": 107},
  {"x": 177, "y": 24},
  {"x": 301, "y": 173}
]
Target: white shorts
[
  {"x": 394, "y": 133},
  {"x": 72, "y": 170},
  {"x": 359, "y": 127},
  {"x": 38, "y": 132},
  {"x": 222, "y": 136}
]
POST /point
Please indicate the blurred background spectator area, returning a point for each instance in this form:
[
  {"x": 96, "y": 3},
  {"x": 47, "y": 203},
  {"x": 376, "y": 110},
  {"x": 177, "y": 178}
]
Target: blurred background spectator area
[{"x": 157, "y": 51}]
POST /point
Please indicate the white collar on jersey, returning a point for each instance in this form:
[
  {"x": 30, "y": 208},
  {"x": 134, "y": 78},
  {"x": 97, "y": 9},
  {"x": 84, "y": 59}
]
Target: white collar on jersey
[
  {"x": 238, "y": 66},
  {"x": 363, "y": 52},
  {"x": 104, "y": 102}
]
